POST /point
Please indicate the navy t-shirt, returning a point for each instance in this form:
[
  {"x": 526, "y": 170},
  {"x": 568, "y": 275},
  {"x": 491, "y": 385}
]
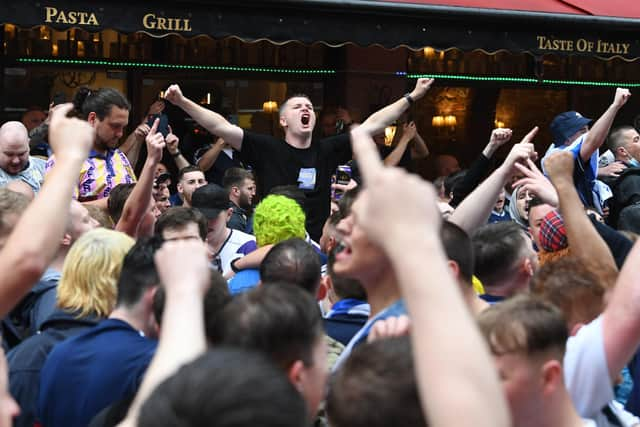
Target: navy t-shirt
[{"x": 90, "y": 371}]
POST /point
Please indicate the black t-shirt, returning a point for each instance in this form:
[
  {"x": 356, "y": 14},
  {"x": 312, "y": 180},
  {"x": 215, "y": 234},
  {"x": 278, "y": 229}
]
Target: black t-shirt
[
  {"x": 215, "y": 174},
  {"x": 277, "y": 163}
]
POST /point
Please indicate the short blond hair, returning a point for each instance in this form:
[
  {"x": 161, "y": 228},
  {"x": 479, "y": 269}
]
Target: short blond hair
[
  {"x": 11, "y": 203},
  {"x": 91, "y": 271}
]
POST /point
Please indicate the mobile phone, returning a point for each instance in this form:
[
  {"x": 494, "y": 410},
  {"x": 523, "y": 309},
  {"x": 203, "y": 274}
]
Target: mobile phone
[
  {"x": 343, "y": 177},
  {"x": 163, "y": 126}
]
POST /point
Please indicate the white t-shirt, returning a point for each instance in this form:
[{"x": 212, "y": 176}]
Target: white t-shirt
[
  {"x": 229, "y": 250},
  {"x": 586, "y": 375}
]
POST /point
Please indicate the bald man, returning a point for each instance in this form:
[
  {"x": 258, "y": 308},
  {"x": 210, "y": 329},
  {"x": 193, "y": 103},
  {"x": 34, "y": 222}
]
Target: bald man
[{"x": 15, "y": 161}]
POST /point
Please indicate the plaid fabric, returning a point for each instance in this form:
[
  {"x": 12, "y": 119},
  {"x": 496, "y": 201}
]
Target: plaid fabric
[{"x": 553, "y": 235}]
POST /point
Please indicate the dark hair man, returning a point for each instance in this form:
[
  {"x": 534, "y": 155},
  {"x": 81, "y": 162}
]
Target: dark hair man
[
  {"x": 245, "y": 376},
  {"x": 105, "y": 364},
  {"x": 107, "y": 111},
  {"x": 504, "y": 260},
  {"x": 282, "y": 321},
  {"x": 116, "y": 200},
  {"x": 213, "y": 202},
  {"x": 190, "y": 179},
  {"x": 349, "y": 309},
  {"x": 297, "y": 159},
  {"x": 241, "y": 186},
  {"x": 376, "y": 387},
  {"x": 459, "y": 250},
  {"x": 180, "y": 223}
]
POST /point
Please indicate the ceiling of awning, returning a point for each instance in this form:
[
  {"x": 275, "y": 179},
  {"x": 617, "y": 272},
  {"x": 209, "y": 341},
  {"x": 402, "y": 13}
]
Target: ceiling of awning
[
  {"x": 547, "y": 26},
  {"x": 616, "y": 8}
]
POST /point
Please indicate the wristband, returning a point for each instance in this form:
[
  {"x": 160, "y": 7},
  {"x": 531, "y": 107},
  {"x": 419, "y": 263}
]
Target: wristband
[
  {"x": 408, "y": 97},
  {"x": 176, "y": 154},
  {"x": 233, "y": 266}
]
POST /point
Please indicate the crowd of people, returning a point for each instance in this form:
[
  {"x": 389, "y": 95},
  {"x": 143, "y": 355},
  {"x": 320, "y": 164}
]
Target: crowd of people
[{"x": 309, "y": 280}]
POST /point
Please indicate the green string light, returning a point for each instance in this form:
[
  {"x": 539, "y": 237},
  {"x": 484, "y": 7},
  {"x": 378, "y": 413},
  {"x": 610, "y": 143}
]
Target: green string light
[
  {"x": 117, "y": 64},
  {"x": 173, "y": 66},
  {"x": 474, "y": 78},
  {"x": 522, "y": 80}
]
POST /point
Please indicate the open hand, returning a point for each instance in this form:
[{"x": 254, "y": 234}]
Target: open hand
[{"x": 612, "y": 170}]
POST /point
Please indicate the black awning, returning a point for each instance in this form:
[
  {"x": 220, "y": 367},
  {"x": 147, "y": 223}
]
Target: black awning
[{"x": 363, "y": 23}]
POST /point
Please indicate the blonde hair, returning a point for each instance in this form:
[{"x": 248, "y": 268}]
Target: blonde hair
[{"x": 91, "y": 271}]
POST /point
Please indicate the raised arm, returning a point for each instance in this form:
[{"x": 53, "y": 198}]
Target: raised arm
[
  {"x": 475, "y": 209},
  {"x": 139, "y": 201},
  {"x": 535, "y": 182},
  {"x": 209, "y": 158},
  {"x": 213, "y": 122},
  {"x": 419, "y": 149},
  {"x": 408, "y": 133},
  {"x": 173, "y": 148},
  {"x": 28, "y": 253},
  {"x": 184, "y": 273},
  {"x": 376, "y": 122},
  {"x": 133, "y": 143},
  {"x": 443, "y": 331},
  {"x": 600, "y": 129},
  {"x": 584, "y": 240},
  {"x": 481, "y": 166}
]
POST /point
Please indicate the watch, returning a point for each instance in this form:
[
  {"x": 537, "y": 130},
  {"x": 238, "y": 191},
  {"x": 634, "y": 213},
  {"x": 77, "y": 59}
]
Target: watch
[
  {"x": 176, "y": 154},
  {"x": 408, "y": 97}
]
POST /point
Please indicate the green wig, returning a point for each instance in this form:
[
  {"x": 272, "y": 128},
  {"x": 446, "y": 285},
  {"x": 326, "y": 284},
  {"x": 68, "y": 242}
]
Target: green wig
[{"x": 278, "y": 218}]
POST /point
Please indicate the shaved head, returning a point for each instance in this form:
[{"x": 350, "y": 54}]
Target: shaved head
[
  {"x": 14, "y": 131},
  {"x": 14, "y": 147}
]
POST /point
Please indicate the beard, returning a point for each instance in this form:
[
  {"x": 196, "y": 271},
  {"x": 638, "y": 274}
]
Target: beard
[
  {"x": 103, "y": 145},
  {"x": 244, "y": 203}
]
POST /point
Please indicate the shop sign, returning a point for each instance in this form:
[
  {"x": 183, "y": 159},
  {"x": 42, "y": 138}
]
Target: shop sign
[
  {"x": 152, "y": 22},
  {"x": 72, "y": 17},
  {"x": 582, "y": 45}
]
